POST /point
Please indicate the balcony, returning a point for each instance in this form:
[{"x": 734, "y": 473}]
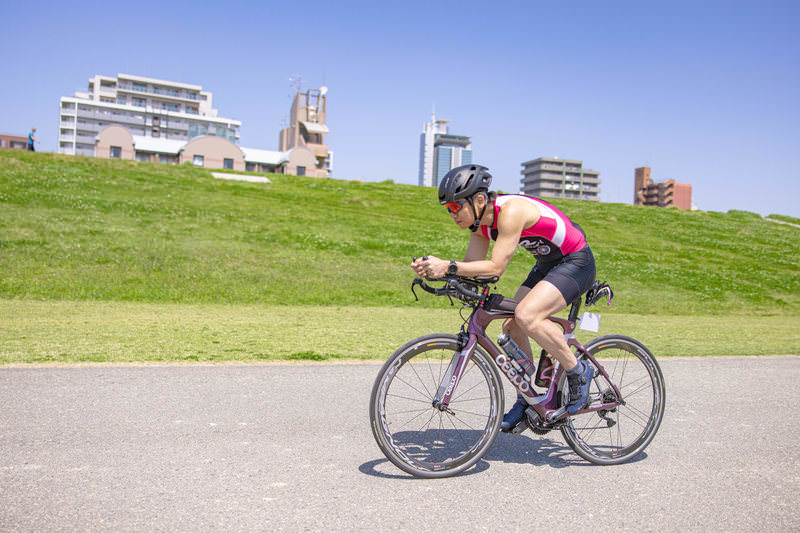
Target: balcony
[
  {"x": 160, "y": 92},
  {"x": 85, "y": 139}
]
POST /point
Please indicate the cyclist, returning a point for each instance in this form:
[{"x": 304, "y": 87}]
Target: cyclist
[{"x": 563, "y": 271}]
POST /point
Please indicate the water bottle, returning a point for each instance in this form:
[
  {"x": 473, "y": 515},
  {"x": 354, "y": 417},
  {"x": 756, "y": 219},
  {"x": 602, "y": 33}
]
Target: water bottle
[{"x": 522, "y": 362}]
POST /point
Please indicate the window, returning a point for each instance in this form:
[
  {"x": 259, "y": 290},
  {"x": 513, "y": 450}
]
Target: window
[
  {"x": 301, "y": 171},
  {"x": 121, "y": 100},
  {"x": 198, "y": 160},
  {"x": 139, "y": 102},
  {"x": 227, "y": 163},
  {"x": 115, "y": 152}
]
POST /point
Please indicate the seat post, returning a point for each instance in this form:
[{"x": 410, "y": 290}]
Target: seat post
[{"x": 575, "y": 309}]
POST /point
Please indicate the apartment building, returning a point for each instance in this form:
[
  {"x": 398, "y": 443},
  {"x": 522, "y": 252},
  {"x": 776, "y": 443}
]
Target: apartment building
[
  {"x": 440, "y": 151},
  {"x": 665, "y": 194},
  {"x": 148, "y": 108},
  {"x": 132, "y": 117},
  {"x": 305, "y": 136},
  {"x": 551, "y": 177}
]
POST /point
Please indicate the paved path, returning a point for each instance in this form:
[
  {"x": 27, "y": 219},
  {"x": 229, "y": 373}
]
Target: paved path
[{"x": 288, "y": 448}]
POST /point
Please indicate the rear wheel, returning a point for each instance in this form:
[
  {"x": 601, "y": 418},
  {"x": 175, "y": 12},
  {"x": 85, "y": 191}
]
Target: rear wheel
[
  {"x": 416, "y": 436},
  {"x": 618, "y": 435}
]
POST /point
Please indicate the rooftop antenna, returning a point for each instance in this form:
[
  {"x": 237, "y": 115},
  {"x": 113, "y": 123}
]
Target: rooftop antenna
[{"x": 295, "y": 83}]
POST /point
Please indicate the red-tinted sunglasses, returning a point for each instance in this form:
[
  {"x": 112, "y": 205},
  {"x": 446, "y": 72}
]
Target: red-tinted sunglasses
[{"x": 454, "y": 207}]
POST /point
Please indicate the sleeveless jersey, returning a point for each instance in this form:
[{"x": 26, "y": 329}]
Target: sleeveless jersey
[{"x": 551, "y": 238}]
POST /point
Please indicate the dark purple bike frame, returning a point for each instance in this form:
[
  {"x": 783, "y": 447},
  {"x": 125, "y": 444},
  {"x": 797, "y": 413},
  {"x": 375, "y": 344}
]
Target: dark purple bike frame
[{"x": 546, "y": 405}]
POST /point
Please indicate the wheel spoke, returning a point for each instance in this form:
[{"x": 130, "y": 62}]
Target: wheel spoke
[
  {"x": 618, "y": 434},
  {"x": 418, "y": 437}
]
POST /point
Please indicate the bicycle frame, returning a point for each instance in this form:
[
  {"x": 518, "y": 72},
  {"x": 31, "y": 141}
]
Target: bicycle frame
[{"x": 546, "y": 404}]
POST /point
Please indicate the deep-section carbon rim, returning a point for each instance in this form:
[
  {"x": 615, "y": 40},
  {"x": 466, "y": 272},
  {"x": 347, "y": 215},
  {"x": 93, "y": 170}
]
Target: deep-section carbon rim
[
  {"x": 419, "y": 438},
  {"x": 622, "y": 433}
]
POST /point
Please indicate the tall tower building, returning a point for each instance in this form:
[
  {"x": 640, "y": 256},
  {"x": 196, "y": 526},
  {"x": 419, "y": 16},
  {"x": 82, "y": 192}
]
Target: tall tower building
[
  {"x": 306, "y": 133},
  {"x": 439, "y": 151}
]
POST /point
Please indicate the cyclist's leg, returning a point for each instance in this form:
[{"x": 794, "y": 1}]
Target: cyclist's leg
[
  {"x": 517, "y": 412},
  {"x": 566, "y": 281},
  {"x": 561, "y": 284},
  {"x": 531, "y": 316},
  {"x": 511, "y": 328}
]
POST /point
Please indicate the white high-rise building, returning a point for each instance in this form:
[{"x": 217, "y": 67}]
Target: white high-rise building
[
  {"x": 146, "y": 107},
  {"x": 439, "y": 151}
]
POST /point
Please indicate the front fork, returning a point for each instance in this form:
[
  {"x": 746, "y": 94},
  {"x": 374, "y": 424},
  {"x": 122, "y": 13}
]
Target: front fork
[{"x": 448, "y": 385}]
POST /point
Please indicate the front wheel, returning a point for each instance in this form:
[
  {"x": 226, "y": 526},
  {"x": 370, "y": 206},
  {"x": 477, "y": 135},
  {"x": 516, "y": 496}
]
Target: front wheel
[
  {"x": 617, "y": 435},
  {"x": 416, "y": 436}
]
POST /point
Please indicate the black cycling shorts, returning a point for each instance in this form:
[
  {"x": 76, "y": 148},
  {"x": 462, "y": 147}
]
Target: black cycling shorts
[{"x": 572, "y": 275}]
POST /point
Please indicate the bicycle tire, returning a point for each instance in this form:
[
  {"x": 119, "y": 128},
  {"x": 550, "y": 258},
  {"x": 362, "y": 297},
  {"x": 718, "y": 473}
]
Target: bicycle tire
[
  {"x": 417, "y": 437},
  {"x": 618, "y": 435}
]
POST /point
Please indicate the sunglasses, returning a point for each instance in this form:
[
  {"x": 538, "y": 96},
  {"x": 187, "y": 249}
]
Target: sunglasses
[{"x": 454, "y": 207}]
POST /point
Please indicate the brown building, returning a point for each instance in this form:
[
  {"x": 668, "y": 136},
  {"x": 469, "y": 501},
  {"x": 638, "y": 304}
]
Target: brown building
[
  {"x": 306, "y": 135},
  {"x": 13, "y": 142},
  {"x": 666, "y": 194}
]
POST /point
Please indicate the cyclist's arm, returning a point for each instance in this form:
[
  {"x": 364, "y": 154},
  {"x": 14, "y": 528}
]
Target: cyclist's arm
[
  {"x": 478, "y": 247},
  {"x": 512, "y": 220}
]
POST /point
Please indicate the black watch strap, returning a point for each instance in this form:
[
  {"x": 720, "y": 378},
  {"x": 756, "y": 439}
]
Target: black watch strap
[{"x": 452, "y": 268}]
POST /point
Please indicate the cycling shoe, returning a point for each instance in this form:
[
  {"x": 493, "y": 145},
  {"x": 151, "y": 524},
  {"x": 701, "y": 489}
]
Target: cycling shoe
[
  {"x": 579, "y": 384},
  {"x": 514, "y": 416}
]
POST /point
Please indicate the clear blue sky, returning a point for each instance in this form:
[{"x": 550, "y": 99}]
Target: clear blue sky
[{"x": 704, "y": 92}]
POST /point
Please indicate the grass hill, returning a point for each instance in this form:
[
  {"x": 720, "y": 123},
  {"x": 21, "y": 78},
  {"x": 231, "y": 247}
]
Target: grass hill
[{"x": 74, "y": 228}]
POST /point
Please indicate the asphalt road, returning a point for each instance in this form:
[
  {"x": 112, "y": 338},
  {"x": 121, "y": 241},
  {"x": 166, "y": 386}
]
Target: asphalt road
[{"x": 289, "y": 448}]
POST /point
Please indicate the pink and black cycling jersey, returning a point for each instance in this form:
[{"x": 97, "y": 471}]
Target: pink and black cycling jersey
[{"x": 551, "y": 238}]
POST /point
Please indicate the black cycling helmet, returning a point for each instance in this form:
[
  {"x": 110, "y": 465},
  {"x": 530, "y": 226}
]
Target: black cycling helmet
[{"x": 463, "y": 182}]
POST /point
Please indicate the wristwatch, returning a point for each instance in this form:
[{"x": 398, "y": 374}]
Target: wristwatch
[{"x": 452, "y": 268}]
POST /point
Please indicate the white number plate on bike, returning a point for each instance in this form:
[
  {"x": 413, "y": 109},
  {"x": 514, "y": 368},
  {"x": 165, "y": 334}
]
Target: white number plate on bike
[{"x": 589, "y": 322}]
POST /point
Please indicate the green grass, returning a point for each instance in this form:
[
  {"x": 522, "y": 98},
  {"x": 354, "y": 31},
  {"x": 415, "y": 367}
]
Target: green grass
[
  {"x": 78, "y": 231},
  {"x": 74, "y": 228},
  {"x": 77, "y": 332},
  {"x": 784, "y": 218}
]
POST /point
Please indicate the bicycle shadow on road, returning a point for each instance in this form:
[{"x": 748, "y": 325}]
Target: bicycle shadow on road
[
  {"x": 382, "y": 468},
  {"x": 534, "y": 451},
  {"x": 538, "y": 451},
  {"x": 515, "y": 449}
]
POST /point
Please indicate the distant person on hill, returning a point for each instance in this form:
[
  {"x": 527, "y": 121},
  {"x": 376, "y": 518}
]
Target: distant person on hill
[
  {"x": 563, "y": 271},
  {"x": 32, "y": 139}
]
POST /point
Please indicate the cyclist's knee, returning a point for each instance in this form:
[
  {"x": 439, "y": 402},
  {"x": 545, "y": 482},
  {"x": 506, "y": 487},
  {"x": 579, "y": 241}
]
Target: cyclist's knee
[{"x": 529, "y": 317}]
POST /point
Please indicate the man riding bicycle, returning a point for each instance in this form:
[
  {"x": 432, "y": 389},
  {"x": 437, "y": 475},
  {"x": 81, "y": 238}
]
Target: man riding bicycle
[{"x": 563, "y": 271}]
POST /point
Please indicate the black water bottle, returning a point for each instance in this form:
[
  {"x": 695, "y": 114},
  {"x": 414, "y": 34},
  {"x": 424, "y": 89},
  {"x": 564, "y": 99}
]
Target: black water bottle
[{"x": 517, "y": 355}]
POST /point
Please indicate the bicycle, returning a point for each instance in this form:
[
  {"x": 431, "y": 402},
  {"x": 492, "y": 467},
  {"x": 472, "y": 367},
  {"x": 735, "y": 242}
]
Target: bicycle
[{"x": 437, "y": 402}]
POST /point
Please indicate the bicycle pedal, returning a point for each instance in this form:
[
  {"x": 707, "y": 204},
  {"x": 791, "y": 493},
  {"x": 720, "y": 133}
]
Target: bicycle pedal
[{"x": 519, "y": 428}]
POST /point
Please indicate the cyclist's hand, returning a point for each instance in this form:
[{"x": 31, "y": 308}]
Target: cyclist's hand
[{"x": 430, "y": 267}]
